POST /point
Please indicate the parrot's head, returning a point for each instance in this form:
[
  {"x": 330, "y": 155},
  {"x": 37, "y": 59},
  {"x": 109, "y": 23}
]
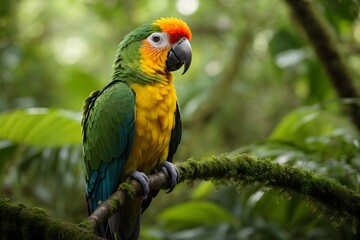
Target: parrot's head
[{"x": 150, "y": 52}]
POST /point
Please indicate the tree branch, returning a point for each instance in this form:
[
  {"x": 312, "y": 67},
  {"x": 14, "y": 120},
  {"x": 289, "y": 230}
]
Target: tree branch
[
  {"x": 326, "y": 49},
  {"x": 19, "y": 222},
  {"x": 16, "y": 221},
  {"x": 242, "y": 168},
  {"x": 126, "y": 192}
]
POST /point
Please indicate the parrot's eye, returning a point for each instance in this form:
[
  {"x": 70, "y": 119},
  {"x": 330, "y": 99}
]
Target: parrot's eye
[{"x": 158, "y": 39}]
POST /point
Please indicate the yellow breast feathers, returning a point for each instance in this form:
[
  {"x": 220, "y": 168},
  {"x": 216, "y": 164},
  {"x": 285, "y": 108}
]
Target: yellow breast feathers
[{"x": 155, "y": 118}]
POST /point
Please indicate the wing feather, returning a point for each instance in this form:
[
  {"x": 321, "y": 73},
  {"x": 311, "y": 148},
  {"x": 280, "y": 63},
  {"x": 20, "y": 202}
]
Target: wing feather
[{"x": 108, "y": 132}]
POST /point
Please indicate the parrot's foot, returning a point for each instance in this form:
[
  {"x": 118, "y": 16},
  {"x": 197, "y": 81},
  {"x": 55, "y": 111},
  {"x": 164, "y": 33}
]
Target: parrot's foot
[
  {"x": 171, "y": 173},
  {"x": 142, "y": 179}
]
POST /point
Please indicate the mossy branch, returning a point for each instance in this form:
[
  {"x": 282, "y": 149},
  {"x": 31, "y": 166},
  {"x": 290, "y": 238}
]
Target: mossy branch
[
  {"x": 19, "y": 222},
  {"x": 126, "y": 192},
  {"x": 16, "y": 221},
  {"x": 243, "y": 168},
  {"x": 325, "y": 47}
]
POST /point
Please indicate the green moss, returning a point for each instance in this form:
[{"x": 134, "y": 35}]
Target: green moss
[
  {"x": 39, "y": 211},
  {"x": 243, "y": 169},
  {"x": 115, "y": 204},
  {"x": 86, "y": 224},
  {"x": 19, "y": 222},
  {"x": 128, "y": 189}
]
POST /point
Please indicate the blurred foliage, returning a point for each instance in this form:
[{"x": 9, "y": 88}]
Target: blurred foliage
[
  {"x": 278, "y": 103},
  {"x": 36, "y": 126}
]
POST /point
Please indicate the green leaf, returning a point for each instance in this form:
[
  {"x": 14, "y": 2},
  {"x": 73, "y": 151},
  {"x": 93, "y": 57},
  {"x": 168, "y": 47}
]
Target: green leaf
[
  {"x": 347, "y": 10},
  {"x": 320, "y": 88},
  {"x": 202, "y": 190},
  {"x": 284, "y": 40},
  {"x": 313, "y": 129},
  {"x": 41, "y": 127},
  {"x": 195, "y": 213},
  {"x": 6, "y": 151}
]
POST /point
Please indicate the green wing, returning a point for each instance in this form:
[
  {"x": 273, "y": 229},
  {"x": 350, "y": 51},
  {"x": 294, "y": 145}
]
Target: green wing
[{"x": 108, "y": 132}]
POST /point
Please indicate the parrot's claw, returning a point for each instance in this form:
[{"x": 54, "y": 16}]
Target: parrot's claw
[
  {"x": 142, "y": 179},
  {"x": 171, "y": 173}
]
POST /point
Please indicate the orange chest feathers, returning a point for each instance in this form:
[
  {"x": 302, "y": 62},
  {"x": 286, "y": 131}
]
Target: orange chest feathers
[{"x": 155, "y": 118}]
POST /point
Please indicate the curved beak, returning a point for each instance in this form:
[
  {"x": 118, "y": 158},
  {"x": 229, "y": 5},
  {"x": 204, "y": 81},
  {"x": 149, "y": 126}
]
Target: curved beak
[{"x": 179, "y": 54}]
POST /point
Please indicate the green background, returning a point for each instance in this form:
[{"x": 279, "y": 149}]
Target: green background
[{"x": 255, "y": 86}]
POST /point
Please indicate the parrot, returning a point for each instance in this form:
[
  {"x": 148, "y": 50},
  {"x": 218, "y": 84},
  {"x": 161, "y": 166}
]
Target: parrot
[{"x": 132, "y": 127}]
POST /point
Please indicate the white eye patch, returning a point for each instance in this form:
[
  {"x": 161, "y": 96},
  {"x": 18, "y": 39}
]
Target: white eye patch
[{"x": 158, "y": 39}]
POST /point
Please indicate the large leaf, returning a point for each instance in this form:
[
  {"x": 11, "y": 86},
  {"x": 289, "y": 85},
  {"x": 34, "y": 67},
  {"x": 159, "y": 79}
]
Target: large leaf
[
  {"x": 204, "y": 189},
  {"x": 195, "y": 213},
  {"x": 41, "y": 127},
  {"x": 307, "y": 126}
]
